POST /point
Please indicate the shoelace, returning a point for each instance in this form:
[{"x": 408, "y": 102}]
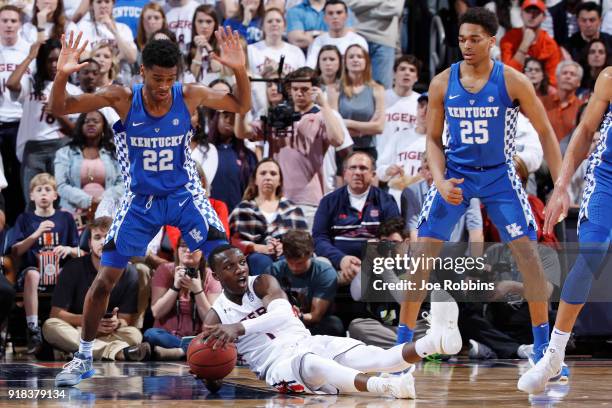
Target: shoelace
[
  {"x": 428, "y": 320},
  {"x": 74, "y": 364}
]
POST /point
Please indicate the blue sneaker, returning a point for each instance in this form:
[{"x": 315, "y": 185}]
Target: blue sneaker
[
  {"x": 537, "y": 354},
  {"x": 73, "y": 372}
]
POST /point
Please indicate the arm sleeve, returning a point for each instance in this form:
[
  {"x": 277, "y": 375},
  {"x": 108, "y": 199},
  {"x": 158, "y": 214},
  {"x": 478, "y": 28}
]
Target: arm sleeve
[
  {"x": 325, "y": 284},
  {"x": 279, "y": 312}
]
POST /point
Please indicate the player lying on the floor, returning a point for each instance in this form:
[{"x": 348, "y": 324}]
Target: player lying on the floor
[{"x": 253, "y": 312}]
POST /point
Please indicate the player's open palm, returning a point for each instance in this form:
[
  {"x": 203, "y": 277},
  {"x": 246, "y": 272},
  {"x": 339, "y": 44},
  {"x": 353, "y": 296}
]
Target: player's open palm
[
  {"x": 450, "y": 192},
  {"x": 69, "y": 57},
  {"x": 556, "y": 209},
  {"x": 232, "y": 54}
]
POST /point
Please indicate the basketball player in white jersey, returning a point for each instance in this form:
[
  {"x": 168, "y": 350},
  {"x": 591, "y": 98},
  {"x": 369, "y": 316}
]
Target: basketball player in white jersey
[{"x": 253, "y": 312}]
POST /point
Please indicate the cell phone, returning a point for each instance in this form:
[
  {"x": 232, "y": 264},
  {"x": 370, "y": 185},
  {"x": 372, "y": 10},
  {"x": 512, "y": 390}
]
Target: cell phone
[{"x": 108, "y": 315}]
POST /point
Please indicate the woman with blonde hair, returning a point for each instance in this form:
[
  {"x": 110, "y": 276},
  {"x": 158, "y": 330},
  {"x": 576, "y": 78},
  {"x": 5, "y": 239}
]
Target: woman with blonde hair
[{"x": 105, "y": 56}]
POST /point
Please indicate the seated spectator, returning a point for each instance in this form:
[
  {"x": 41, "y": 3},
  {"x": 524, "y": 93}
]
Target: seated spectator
[
  {"x": 361, "y": 101},
  {"x": 203, "y": 152},
  {"x": 152, "y": 18},
  {"x": 309, "y": 283},
  {"x": 561, "y": 108},
  {"x": 43, "y": 240},
  {"x": 266, "y": 54},
  {"x": 531, "y": 41},
  {"x": 47, "y": 17},
  {"x": 236, "y": 162},
  {"x": 336, "y": 16},
  {"x": 117, "y": 338},
  {"x": 40, "y": 133},
  {"x": 179, "y": 15},
  {"x": 535, "y": 72},
  {"x": 87, "y": 169},
  {"x": 128, "y": 12},
  {"x": 597, "y": 58},
  {"x": 263, "y": 217},
  {"x": 182, "y": 293},
  {"x": 348, "y": 217},
  {"x": 248, "y": 20},
  {"x": 329, "y": 67},
  {"x": 203, "y": 42},
  {"x": 588, "y": 17}
]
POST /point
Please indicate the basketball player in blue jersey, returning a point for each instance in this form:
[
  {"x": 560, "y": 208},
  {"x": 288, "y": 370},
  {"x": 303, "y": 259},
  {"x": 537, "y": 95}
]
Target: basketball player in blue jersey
[
  {"x": 479, "y": 99},
  {"x": 162, "y": 184},
  {"x": 595, "y": 225}
]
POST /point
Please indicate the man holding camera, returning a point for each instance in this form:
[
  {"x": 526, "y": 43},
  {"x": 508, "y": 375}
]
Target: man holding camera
[{"x": 300, "y": 149}]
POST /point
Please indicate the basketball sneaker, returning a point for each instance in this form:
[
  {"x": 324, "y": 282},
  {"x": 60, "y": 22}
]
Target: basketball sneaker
[
  {"x": 548, "y": 367},
  {"x": 536, "y": 355},
  {"x": 76, "y": 370},
  {"x": 401, "y": 386},
  {"x": 444, "y": 331}
]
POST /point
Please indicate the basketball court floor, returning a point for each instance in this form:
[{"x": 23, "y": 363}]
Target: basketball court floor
[{"x": 459, "y": 383}]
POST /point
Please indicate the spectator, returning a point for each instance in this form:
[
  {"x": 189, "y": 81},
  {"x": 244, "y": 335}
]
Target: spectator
[
  {"x": 89, "y": 78},
  {"x": 305, "y": 22},
  {"x": 151, "y": 19},
  {"x": 203, "y": 152},
  {"x": 301, "y": 152},
  {"x": 128, "y": 12},
  {"x": 48, "y": 17},
  {"x": 7, "y": 297},
  {"x": 309, "y": 283},
  {"x": 203, "y": 42},
  {"x": 104, "y": 55},
  {"x": 13, "y": 48},
  {"x": 531, "y": 41},
  {"x": 361, "y": 101},
  {"x": 597, "y": 58},
  {"x": 179, "y": 16},
  {"x": 182, "y": 293},
  {"x": 236, "y": 162},
  {"x": 263, "y": 217},
  {"x": 378, "y": 22},
  {"x": 534, "y": 70},
  {"x": 43, "y": 239},
  {"x": 329, "y": 67},
  {"x": 267, "y": 53},
  {"x": 336, "y": 15},
  {"x": 87, "y": 169},
  {"x": 247, "y": 21},
  {"x": 102, "y": 28},
  {"x": 589, "y": 24},
  {"x": 413, "y": 198},
  {"x": 562, "y": 107},
  {"x": 117, "y": 338},
  {"x": 40, "y": 134},
  {"x": 348, "y": 217}
]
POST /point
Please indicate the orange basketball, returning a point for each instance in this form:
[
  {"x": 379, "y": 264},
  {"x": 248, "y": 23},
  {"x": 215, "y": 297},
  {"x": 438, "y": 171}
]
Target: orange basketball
[{"x": 209, "y": 364}]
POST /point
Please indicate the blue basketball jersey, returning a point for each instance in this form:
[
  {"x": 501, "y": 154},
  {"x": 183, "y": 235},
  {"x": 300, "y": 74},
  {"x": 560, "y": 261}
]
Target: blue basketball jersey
[
  {"x": 480, "y": 126},
  {"x": 154, "y": 152}
]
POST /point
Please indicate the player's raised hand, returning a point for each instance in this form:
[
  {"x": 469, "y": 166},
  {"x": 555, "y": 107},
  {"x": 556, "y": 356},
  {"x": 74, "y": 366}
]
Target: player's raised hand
[
  {"x": 556, "y": 209},
  {"x": 232, "y": 54},
  {"x": 450, "y": 192},
  {"x": 70, "y": 55}
]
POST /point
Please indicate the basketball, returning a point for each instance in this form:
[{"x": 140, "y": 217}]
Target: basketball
[{"x": 209, "y": 364}]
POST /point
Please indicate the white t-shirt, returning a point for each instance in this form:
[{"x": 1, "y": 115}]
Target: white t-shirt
[
  {"x": 36, "y": 124},
  {"x": 104, "y": 35},
  {"x": 29, "y": 32},
  {"x": 358, "y": 200},
  {"x": 259, "y": 51},
  {"x": 179, "y": 22},
  {"x": 341, "y": 42},
  {"x": 10, "y": 57},
  {"x": 70, "y": 6},
  {"x": 208, "y": 160}
]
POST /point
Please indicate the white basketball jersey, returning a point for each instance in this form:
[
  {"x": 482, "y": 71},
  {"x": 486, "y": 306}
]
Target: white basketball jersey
[
  {"x": 258, "y": 350},
  {"x": 10, "y": 57}
]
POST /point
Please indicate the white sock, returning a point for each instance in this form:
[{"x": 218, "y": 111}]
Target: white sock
[
  {"x": 559, "y": 339},
  {"x": 85, "y": 348},
  {"x": 424, "y": 347},
  {"x": 32, "y": 321}
]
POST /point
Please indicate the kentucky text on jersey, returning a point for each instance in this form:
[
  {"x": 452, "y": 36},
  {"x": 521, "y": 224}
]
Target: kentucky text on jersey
[
  {"x": 474, "y": 112},
  {"x": 155, "y": 142}
]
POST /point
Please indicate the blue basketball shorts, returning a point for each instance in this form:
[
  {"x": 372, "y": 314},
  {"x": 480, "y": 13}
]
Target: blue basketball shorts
[
  {"x": 140, "y": 218},
  {"x": 499, "y": 190}
]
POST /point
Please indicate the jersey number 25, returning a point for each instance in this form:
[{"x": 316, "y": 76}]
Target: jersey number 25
[{"x": 474, "y": 132}]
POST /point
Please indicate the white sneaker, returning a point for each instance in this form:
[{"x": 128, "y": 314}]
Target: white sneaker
[
  {"x": 444, "y": 331},
  {"x": 401, "y": 386},
  {"x": 535, "y": 379},
  {"x": 524, "y": 350}
]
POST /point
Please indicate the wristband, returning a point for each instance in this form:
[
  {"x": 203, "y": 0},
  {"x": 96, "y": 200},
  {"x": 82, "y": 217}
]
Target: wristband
[
  {"x": 40, "y": 30},
  {"x": 174, "y": 288},
  {"x": 197, "y": 293}
]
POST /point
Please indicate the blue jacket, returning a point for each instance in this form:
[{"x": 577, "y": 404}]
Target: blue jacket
[{"x": 340, "y": 230}]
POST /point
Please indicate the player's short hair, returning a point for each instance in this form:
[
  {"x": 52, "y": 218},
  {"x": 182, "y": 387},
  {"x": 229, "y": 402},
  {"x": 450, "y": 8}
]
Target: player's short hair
[
  {"x": 334, "y": 2},
  {"x": 392, "y": 226},
  {"x": 409, "y": 59},
  {"x": 212, "y": 258},
  {"x": 163, "y": 53},
  {"x": 297, "y": 244},
  {"x": 588, "y": 6},
  {"x": 101, "y": 223},
  {"x": 41, "y": 179},
  {"x": 482, "y": 17},
  {"x": 357, "y": 153}
]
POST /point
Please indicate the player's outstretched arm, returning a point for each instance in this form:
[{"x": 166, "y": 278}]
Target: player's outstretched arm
[
  {"x": 232, "y": 56},
  {"x": 60, "y": 103},
  {"x": 580, "y": 143}
]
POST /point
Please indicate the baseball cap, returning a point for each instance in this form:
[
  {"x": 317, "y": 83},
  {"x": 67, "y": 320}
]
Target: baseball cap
[{"x": 534, "y": 3}]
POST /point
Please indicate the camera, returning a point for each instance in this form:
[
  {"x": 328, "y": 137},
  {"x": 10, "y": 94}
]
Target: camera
[
  {"x": 281, "y": 116},
  {"x": 191, "y": 272}
]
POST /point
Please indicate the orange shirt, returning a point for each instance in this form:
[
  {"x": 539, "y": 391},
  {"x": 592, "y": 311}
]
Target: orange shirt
[
  {"x": 562, "y": 115},
  {"x": 543, "y": 48}
]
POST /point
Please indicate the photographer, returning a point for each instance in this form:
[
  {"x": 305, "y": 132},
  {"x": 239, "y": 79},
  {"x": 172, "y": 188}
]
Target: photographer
[
  {"x": 182, "y": 293},
  {"x": 300, "y": 147}
]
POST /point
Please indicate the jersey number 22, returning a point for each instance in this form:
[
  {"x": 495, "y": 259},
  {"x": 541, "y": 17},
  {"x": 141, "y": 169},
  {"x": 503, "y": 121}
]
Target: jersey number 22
[{"x": 154, "y": 161}]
